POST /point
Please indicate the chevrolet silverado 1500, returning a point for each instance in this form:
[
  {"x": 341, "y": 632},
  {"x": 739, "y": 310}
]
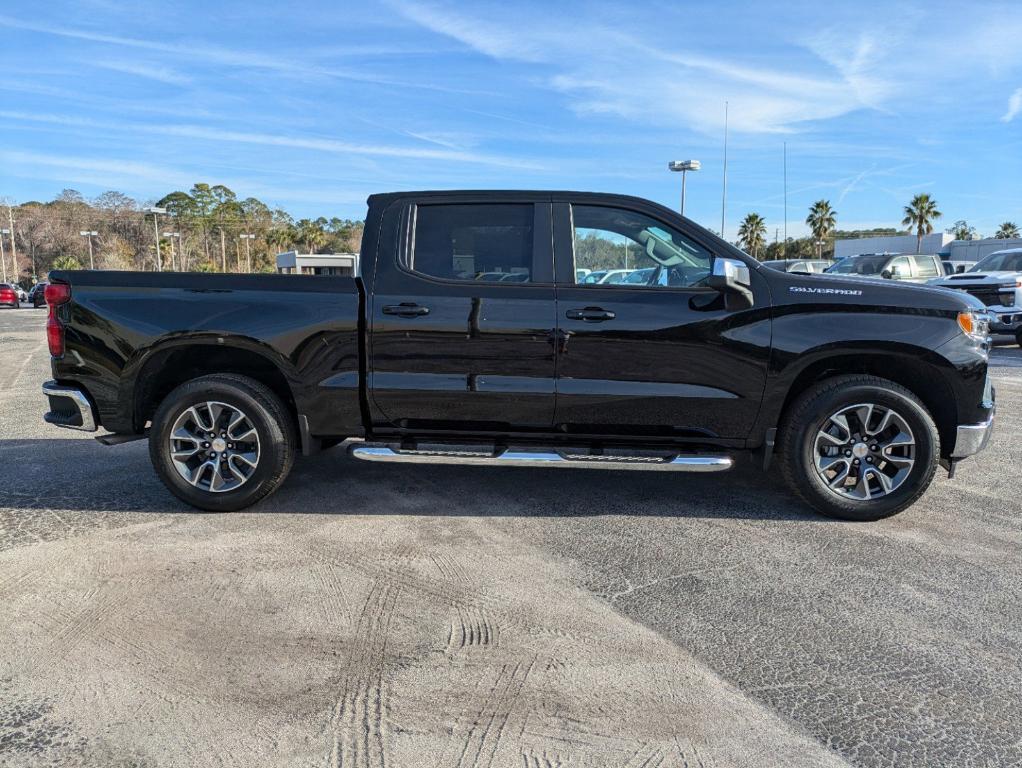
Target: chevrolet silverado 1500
[{"x": 470, "y": 337}]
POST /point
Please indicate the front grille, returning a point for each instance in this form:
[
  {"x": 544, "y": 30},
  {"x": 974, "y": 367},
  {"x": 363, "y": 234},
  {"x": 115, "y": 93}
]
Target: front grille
[{"x": 990, "y": 295}]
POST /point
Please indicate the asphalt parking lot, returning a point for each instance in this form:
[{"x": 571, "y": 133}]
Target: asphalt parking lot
[{"x": 369, "y": 615}]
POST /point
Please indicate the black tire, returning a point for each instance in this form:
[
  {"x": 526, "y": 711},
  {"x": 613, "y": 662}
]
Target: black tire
[
  {"x": 810, "y": 412},
  {"x": 1018, "y": 337},
  {"x": 268, "y": 416}
]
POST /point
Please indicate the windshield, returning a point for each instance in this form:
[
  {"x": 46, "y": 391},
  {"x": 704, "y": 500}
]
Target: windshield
[
  {"x": 859, "y": 265},
  {"x": 1000, "y": 262}
]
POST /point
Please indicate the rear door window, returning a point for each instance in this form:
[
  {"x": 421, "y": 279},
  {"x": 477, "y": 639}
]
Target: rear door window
[
  {"x": 926, "y": 266},
  {"x": 474, "y": 242}
]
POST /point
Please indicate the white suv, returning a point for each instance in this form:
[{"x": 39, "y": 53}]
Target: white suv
[{"x": 997, "y": 282}]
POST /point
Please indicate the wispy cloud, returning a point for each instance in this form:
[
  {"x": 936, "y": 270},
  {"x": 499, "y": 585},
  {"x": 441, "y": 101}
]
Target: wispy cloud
[
  {"x": 194, "y": 50},
  {"x": 332, "y": 146},
  {"x": 159, "y": 74},
  {"x": 1014, "y": 106},
  {"x": 603, "y": 69}
]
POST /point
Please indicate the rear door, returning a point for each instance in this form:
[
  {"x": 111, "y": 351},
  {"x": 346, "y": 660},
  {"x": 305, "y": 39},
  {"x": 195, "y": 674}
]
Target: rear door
[
  {"x": 666, "y": 358},
  {"x": 462, "y": 317}
]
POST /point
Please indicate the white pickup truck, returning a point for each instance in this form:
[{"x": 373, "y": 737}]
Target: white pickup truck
[{"x": 997, "y": 282}]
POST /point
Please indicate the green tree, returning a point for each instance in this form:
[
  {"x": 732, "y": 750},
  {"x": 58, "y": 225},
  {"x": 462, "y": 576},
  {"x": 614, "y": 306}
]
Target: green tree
[
  {"x": 311, "y": 234},
  {"x": 1007, "y": 230},
  {"x": 66, "y": 261},
  {"x": 821, "y": 220},
  {"x": 920, "y": 214},
  {"x": 962, "y": 231},
  {"x": 752, "y": 234}
]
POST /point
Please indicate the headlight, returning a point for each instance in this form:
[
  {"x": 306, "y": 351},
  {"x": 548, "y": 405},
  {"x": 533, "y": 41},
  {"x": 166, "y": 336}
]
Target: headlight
[{"x": 974, "y": 324}]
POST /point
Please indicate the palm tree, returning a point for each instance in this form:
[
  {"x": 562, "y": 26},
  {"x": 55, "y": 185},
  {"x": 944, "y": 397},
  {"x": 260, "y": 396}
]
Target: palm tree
[
  {"x": 311, "y": 234},
  {"x": 920, "y": 214},
  {"x": 1007, "y": 231},
  {"x": 66, "y": 261},
  {"x": 821, "y": 220},
  {"x": 752, "y": 234}
]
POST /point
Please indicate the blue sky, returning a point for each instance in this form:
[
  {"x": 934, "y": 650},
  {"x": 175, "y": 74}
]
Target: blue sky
[{"x": 313, "y": 106}]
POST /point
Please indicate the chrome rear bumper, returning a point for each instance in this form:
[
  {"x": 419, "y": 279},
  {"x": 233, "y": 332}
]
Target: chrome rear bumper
[{"x": 69, "y": 408}]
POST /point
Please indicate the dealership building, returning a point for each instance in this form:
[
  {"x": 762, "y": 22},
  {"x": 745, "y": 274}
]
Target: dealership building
[
  {"x": 294, "y": 263},
  {"x": 939, "y": 243}
]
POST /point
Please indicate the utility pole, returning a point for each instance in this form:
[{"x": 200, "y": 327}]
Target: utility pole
[
  {"x": 89, "y": 234},
  {"x": 248, "y": 237},
  {"x": 723, "y": 196},
  {"x": 3, "y": 259},
  {"x": 156, "y": 211},
  {"x": 785, "y": 254},
  {"x": 171, "y": 236},
  {"x": 14, "y": 245}
]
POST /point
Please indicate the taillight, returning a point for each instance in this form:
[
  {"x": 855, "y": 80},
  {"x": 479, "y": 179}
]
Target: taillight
[
  {"x": 56, "y": 294},
  {"x": 6, "y": 295}
]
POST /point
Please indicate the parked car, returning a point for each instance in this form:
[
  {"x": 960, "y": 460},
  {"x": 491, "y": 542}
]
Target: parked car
[
  {"x": 956, "y": 267},
  {"x": 22, "y": 293},
  {"x": 606, "y": 276},
  {"x": 997, "y": 282},
  {"x": 9, "y": 295},
  {"x": 37, "y": 295},
  {"x": 861, "y": 388},
  {"x": 639, "y": 277},
  {"x": 811, "y": 266},
  {"x": 910, "y": 268}
]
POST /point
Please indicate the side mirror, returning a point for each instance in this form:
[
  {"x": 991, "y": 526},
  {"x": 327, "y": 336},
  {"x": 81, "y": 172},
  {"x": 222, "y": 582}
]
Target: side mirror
[
  {"x": 731, "y": 278},
  {"x": 887, "y": 274}
]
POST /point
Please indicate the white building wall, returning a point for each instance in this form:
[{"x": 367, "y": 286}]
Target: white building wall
[
  {"x": 932, "y": 243},
  {"x": 974, "y": 250}
]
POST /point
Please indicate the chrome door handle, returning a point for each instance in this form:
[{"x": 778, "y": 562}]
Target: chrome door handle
[
  {"x": 590, "y": 314},
  {"x": 407, "y": 309}
]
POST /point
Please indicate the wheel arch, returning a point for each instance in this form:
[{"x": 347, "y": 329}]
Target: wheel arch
[
  {"x": 174, "y": 362},
  {"x": 919, "y": 374}
]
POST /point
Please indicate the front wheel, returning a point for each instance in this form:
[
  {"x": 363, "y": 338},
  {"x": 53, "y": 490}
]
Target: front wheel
[
  {"x": 858, "y": 447},
  {"x": 1018, "y": 337},
  {"x": 222, "y": 442}
]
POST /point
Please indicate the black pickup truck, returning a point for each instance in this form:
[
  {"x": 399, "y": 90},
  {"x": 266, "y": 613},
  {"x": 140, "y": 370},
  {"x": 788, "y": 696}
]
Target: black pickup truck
[{"x": 472, "y": 336}]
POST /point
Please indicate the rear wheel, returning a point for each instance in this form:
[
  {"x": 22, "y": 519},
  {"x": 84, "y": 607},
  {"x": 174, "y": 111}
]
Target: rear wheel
[
  {"x": 858, "y": 447},
  {"x": 222, "y": 442}
]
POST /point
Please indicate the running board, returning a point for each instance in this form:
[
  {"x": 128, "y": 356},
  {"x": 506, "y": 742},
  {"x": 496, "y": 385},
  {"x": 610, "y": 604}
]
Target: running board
[{"x": 677, "y": 463}]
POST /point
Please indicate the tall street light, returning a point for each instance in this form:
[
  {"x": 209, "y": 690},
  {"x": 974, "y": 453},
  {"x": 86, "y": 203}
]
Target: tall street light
[
  {"x": 156, "y": 211},
  {"x": 172, "y": 235},
  {"x": 88, "y": 235},
  {"x": 248, "y": 237},
  {"x": 684, "y": 166}
]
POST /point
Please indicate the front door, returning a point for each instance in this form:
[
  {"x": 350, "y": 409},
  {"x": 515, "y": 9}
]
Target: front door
[
  {"x": 657, "y": 353},
  {"x": 462, "y": 323}
]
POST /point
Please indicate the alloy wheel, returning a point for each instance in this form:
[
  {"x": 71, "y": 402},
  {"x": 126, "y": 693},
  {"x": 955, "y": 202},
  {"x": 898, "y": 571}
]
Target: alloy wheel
[
  {"x": 864, "y": 451},
  {"x": 214, "y": 446}
]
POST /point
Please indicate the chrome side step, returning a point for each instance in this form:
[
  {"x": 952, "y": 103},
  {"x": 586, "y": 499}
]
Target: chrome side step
[{"x": 520, "y": 458}]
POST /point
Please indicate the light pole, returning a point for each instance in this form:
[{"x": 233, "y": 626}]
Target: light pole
[
  {"x": 89, "y": 234},
  {"x": 248, "y": 237},
  {"x": 156, "y": 211},
  {"x": 3, "y": 259},
  {"x": 684, "y": 166},
  {"x": 172, "y": 235}
]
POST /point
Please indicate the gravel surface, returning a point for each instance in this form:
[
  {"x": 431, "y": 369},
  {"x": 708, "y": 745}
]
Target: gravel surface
[{"x": 371, "y": 615}]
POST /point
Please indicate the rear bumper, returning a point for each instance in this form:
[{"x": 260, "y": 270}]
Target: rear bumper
[{"x": 69, "y": 407}]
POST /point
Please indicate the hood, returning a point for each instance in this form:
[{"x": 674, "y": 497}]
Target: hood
[
  {"x": 981, "y": 277},
  {"x": 844, "y": 289}
]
